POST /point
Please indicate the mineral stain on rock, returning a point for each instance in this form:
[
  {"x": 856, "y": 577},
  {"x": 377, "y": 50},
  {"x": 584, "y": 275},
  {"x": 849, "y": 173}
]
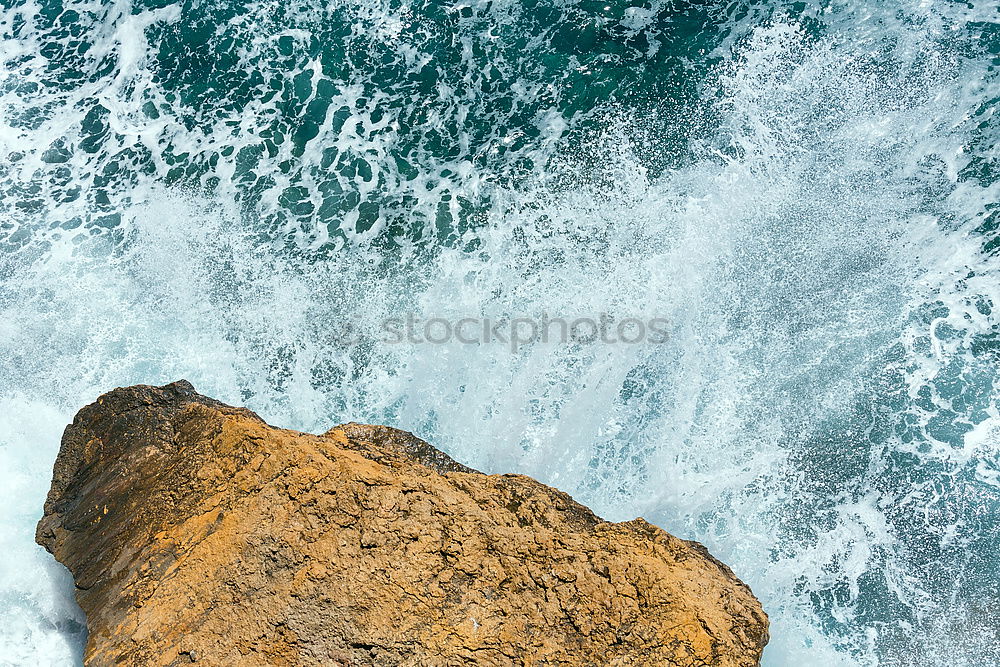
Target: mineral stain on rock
[{"x": 196, "y": 533}]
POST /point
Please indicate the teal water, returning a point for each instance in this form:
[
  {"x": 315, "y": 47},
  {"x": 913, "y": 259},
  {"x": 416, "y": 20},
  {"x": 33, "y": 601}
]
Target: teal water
[{"x": 807, "y": 191}]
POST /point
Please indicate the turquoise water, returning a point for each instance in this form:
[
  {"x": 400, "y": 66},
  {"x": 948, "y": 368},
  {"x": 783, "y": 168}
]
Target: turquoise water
[{"x": 806, "y": 191}]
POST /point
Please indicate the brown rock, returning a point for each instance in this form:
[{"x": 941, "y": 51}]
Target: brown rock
[{"x": 197, "y": 533}]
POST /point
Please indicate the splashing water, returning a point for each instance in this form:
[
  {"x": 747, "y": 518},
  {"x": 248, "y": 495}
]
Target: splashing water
[{"x": 806, "y": 192}]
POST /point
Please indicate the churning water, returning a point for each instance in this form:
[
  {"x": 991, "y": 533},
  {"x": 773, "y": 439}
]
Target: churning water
[{"x": 807, "y": 191}]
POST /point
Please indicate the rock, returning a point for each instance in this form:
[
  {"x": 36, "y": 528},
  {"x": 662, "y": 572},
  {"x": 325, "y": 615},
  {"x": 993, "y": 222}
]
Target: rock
[{"x": 196, "y": 533}]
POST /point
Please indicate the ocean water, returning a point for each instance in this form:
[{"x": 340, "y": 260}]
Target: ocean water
[{"x": 806, "y": 191}]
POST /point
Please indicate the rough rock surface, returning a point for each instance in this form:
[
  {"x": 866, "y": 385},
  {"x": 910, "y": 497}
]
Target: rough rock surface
[{"x": 197, "y": 533}]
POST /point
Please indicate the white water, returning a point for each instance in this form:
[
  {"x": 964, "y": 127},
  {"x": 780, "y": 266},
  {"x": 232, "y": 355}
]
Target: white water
[{"x": 819, "y": 418}]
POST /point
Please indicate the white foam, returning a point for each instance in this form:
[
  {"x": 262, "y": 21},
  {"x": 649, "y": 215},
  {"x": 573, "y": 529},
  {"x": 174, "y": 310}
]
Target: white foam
[{"x": 816, "y": 263}]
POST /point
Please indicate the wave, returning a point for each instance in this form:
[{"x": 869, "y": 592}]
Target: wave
[{"x": 805, "y": 192}]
